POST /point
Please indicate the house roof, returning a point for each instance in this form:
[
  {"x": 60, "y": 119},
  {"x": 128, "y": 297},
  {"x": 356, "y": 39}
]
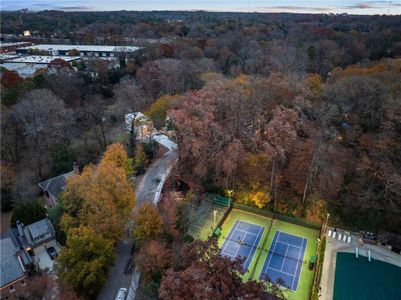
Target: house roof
[
  {"x": 11, "y": 268},
  {"x": 56, "y": 185},
  {"x": 40, "y": 228},
  {"x": 140, "y": 119}
]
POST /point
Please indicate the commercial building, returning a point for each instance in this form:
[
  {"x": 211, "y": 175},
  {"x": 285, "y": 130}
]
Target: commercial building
[
  {"x": 39, "y": 59},
  {"x": 26, "y": 66},
  {"x": 11, "y": 47},
  {"x": 83, "y": 50}
]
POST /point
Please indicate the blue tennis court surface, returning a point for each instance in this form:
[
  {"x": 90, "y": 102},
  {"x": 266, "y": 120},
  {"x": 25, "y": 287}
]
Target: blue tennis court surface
[
  {"x": 242, "y": 241},
  {"x": 284, "y": 261}
]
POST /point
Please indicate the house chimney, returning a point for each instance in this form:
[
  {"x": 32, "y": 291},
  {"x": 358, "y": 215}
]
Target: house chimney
[
  {"x": 76, "y": 168},
  {"x": 20, "y": 227}
]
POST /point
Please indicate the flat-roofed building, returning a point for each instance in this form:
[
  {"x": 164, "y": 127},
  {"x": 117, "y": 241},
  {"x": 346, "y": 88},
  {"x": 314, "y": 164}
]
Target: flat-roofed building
[
  {"x": 41, "y": 59},
  {"x": 26, "y": 66},
  {"x": 83, "y": 50},
  {"x": 11, "y": 47}
]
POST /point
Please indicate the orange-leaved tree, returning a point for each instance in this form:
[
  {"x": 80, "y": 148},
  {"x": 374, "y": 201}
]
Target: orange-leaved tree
[
  {"x": 101, "y": 197},
  {"x": 148, "y": 223}
]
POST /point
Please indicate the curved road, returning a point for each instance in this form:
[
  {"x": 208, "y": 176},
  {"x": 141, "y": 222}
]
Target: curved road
[
  {"x": 145, "y": 192},
  {"x": 150, "y": 181}
]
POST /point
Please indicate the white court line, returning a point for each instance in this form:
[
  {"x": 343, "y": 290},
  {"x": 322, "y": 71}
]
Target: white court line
[
  {"x": 285, "y": 243},
  {"x": 294, "y": 236},
  {"x": 292, "y": 275},
  {"x": 247, "y": 231},
  {"x": 243, "y": 222},
  {"x": 226, "y": 253},
  {"x": 296, "y": 268},
  {"x": 232, "y": 231},
  {"x": 274, "y": 247},
  {"x": 285, "y": 256},
  {"x": 239, "y": 247},
  {"x": 253, "y": 245}
]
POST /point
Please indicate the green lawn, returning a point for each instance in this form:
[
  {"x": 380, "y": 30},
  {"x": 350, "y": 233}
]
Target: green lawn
[{"x": 256, "y": 265}]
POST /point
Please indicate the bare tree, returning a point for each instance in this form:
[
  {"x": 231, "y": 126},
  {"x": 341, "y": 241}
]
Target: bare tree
[
  {"x": 128, "y": 97},
  {"x": 45, "y": 122}
]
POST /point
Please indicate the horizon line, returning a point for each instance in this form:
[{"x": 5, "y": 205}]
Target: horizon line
[{"x": 199, "y": 10}]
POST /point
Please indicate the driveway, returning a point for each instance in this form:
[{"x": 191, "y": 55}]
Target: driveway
[
  {"x": 42, "y": 258},
  {"x": 145, "y": 192}
]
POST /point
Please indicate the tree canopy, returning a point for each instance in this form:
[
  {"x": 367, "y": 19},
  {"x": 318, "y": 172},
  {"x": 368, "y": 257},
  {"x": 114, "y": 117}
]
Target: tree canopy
[
  {"x": 148, "y": 223},
  {"x": 84, "y": 261},
  {"x": 28, "y": 212}
]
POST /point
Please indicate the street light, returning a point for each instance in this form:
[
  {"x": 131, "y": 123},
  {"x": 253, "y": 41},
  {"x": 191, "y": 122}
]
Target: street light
[{"x": 327, "y": 221}]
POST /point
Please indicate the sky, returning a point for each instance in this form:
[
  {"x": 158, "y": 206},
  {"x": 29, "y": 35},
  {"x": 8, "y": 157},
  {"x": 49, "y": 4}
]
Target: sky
[{"x": 296, "y": 6}]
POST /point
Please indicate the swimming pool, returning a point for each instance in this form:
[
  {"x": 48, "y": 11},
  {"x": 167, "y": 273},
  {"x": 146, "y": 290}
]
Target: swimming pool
[{"x": 357, "y": 278}]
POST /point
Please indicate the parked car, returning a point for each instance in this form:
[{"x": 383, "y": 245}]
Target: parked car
[
  {"x": 122, "y": 294},
  {"x": 52, "y": 252}
]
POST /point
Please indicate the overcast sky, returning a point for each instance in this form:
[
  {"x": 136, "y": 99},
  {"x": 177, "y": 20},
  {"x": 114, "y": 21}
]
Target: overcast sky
[{"x": 300, "y": 6}]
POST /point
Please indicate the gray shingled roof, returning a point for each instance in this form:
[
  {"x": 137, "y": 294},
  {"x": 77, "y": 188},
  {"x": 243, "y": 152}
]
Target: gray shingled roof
[
  {"x": 56, "y": 185},
  {"x": 11, "y": 268},
  {"x": 40, "y": 227}
]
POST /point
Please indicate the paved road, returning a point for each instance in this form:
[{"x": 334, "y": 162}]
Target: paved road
[
  {"x": 151, "y": 179},
  {"x": 117, "y": 278},
  {"x": 145, "y": 192}
]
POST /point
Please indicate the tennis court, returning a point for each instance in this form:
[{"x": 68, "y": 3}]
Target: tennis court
[
  {"x": 205, "y": 216},
  {"x": 255, "y": 257},
  {"x": 283, "y": 263},
  {"x": 242, "y": 241}
]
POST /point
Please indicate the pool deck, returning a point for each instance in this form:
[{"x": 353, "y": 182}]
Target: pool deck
[{"x": 330, "y": 255}]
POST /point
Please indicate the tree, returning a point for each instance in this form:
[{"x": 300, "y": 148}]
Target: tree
[
  {"x": 10, "y": 79},
  {"x": 140, "y": 160},
  {"x": 12, "y": 138},
  {"x": 128, "y": 97},
  {"x": 287, "y": 59},
  {"x": 62, "y": 160},
  {"x": 260, "y": 199},
  {"x": 85, "y": 260},
  {"x": 73, "y": 52},
  {"x": 209, "y": 127},
  {"x": 45, "y": 122},
  {"x": 7, "y": 176},
  {"x": 100, "y": 198},
  {"x": 202, "y": 273},
  {"x": 66, "y": 84},
  {"x": 158, "y": 110},
  {"x": 168, "y": 208},
  {"x": 116, "y": 154},
  {"x": 59, "y": 64},
  {"x": 28, "y": 212},
  {"x": 153, "y": 259},
  {"x": 149, "y": 76},
  {"x": 148, "y": 223}
]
